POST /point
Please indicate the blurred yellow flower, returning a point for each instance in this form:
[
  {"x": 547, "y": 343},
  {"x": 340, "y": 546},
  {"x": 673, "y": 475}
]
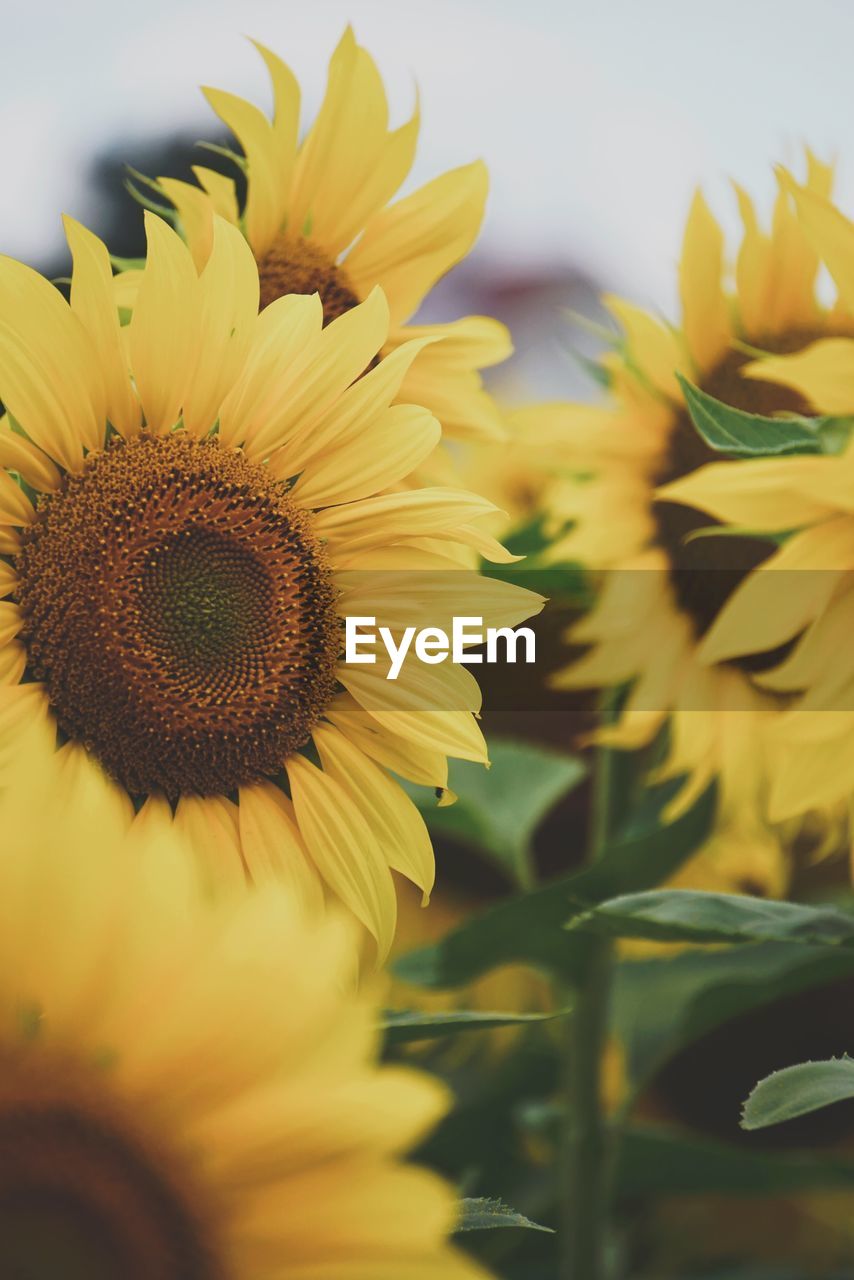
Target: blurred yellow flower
[
  {"x": 190, "y": 1088},
  {"x": 318, "y": 218},
  {"x": 627, "y": 467},
  {"x": 174, "y": 592},
  {"x": 805, "y": 609}
]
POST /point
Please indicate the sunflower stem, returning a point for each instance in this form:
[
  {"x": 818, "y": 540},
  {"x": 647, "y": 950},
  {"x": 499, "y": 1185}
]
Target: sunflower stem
[{"x": 587, "y": 1154}]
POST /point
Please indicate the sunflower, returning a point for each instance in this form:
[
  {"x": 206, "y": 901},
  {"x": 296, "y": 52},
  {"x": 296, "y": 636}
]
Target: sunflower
[
  {"x": 318, "y": 219},
  {"x": 804, "y": 611},
  {"x": 179, "y": 544},
  {"x": 164, "y": 1111},
  {"x": 662, "y": 586}
]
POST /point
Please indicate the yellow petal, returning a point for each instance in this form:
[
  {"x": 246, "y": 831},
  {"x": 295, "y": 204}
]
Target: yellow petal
[
  {"x": 8, "y": 579},
  {"x": 653, "y": 347},
  {"x": 705, "y": 321},
  {"x": 228, "y": 321},
  {"x": 196, "y": 214},
  {"x": 343, "y": 151},
  {"x": 49, "y": 376},
  {"x": 407, "y": 247},
  {"x": 445, "y": 378},
  {"x": 762, "y": 494},
  {"x": 831, "y": 235},
  {"x": 335, "y": 358},
  {"x": 776, "y": 601},
  {"x": 344, "y": 849},
  {"x": 415, "y": 513},
  {"x": 407, "y": 757},
  {"x": 93, "y": 300},
  {"x": 396, "y": 442},
  {"x": 284, "y": 340},
  {"x": 349, "y": 415},
  {"x": 10, "y": 621},
  {"x": 272, "y": 845},
  {"x": 164, "y": 329},
  {"x": 286, "y": 109},
  {"x": 388, "y": 811},
  {"x": 446, "y": 687},
  {"x": 21, "y": 455},
  {"x": 222, "y": 192},
  {"x": 15, "y": 506},
  {"x": 823, "y": 373},
  {"x": 265, "y": 207},
  {"x": 209, "y": 826}
]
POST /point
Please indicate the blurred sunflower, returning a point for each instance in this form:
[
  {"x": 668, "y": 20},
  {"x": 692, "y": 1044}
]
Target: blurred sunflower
[
  {"x": 805, "y": 610},
  {"x": 164, "y": 1112},
  {"x": 662, "y": 585},
  {"x": 183, "y": 517},
  {"x": 318, "y": 219}
]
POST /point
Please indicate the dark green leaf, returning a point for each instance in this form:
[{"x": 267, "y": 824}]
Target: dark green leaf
[
  {"x": 660, "y": 1005},
  {"x": 402, "y": 1026},
  {"x": 796, "y": 1091},
  {"x": 688, "y": 915},
  {"x": 659, "y": 1161},
  {"x": 529, "y": 928},
  {"x": 500, "y": 808},
  {"x": 484, "y": 1215},
  {"x": 737, "y": 434}
]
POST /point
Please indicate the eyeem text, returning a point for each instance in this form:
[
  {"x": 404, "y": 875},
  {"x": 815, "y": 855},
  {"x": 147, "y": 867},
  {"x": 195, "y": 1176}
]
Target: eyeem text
[{"x": 433, "y": 645}]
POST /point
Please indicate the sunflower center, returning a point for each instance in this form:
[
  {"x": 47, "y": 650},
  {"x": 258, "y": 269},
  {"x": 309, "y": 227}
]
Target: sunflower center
[
  {"x": 705, "y": 571},
  {"x": 180, "y": 612},
  {"x": 81, "y": 1199},
  {"x": 294, "y": 265}
]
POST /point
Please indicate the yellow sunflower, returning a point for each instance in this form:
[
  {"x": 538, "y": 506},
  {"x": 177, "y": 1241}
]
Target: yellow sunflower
[
  {"x": 187, "y": 507},
  {"x": 804, "y": 610},
  {"x": 188, "y": 1088},
  {"x": 662, "y": 586},
  {"x": 318, "y": 219}
]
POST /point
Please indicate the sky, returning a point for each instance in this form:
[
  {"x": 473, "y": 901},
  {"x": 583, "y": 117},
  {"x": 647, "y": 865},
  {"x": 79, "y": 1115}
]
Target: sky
[{"x": 597, "y": 120}]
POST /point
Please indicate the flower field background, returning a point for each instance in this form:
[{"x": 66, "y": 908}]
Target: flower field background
[{"x": 533, "y": 971}]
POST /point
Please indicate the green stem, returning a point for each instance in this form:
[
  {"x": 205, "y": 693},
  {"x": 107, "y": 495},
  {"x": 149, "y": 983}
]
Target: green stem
[
  {"x": 587, "y": 1155},
  {"x": 587, "y": 1139}
]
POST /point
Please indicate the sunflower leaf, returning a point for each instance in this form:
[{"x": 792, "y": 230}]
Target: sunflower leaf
[
  {"x": 484, "y": 1214},
  {"x": 499, "y": 809},
  {"x": 697, "y": 916},
  {"x": 402, "y": 1026},
  {"x": 798, "y": 1091},
  {"x": 737, "y": 434},
  {"x": 528, "y": 928}
]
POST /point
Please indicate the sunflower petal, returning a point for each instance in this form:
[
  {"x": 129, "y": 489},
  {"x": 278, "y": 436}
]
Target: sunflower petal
[
  {"x": 388, "y": 811},
  {"x": 407, "y": 247},
  {"x": 93, "y": 300},
  {"x": 705, "y": 320},
  {"x": 344, "y": 849},
  {"x": 164, "y": 329}
]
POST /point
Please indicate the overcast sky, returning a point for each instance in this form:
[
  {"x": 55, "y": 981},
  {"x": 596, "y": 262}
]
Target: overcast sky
[{"x": 596, "y": 119}]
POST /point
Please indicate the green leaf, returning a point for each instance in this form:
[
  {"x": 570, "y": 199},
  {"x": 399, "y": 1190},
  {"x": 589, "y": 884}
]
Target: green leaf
[
  {"x": 499, "y": 809},
  {"x": 748, "y": 435},
  {"x": 797, "y": 1091},
  {"x": 402, "y": 1026},
  {"x": 689, "y": 915},
  {"x": 529, "y": 929},
  {"x": 662, "y": 1004},
  {"x": 484, "y": 1215},
  {"x": 664, "y": 1162}
]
